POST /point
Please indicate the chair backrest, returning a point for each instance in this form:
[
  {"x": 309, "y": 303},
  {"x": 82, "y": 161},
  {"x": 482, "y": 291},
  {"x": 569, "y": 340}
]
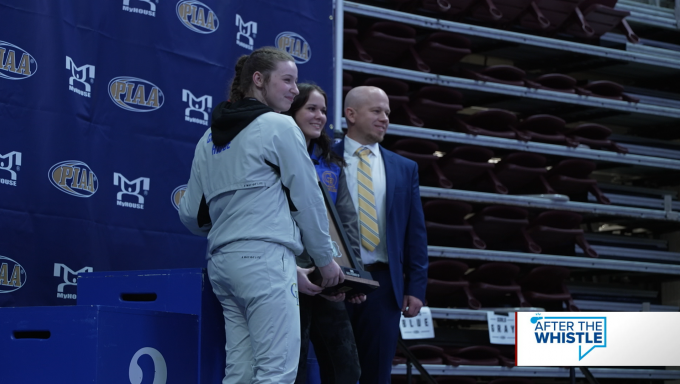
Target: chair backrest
[
  {"x": 558, "y": 219},
  {"x": 393, "y": 29},
  {"x": 446, "y": 270},
  {"x": 447, "y": 39},
  {"x": 446, "y": 211},
  {"x": 525, "y": 159},
  {"x": 392, "y": 87},
  {"x": 478, "y": 352},
  {"x": 591, "y": 131},
  {"x": 471, "y": 153},
  {"x": 504, "y": 72},
  {"x": 557, "y": 81},
  {"x": 545, "y": 279},
  {"x": 493, "y": 120},
  {"x": 545, "y": 124},
  {"x": 444, "y": 95},
  {"x": 504, "y": 212},
  {"x": 605, "y": 88},
  {"x": 588, "y": 3},
  {"x": 576, "y": 168},
  {"x": 556, "y": 11},
  {"x": 421, "y": 146},
  {"x": 495, "y": 273}
]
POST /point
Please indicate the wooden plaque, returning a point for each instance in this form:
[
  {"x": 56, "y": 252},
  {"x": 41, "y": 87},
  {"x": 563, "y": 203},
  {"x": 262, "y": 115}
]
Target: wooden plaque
[{"x": 356, "y": 279}]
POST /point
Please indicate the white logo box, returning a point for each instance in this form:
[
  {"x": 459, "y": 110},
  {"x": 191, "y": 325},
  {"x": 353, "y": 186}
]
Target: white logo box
[{"x": 598, "y": 339}]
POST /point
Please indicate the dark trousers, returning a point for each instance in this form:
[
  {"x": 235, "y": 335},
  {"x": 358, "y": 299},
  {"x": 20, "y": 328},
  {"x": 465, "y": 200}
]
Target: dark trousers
[
  {"x": 327, "y": 325},
  {"x": 376, "y": 331}
]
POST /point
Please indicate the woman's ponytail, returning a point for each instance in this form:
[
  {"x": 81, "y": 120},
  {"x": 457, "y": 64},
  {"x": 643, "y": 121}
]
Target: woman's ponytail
[{"x": 235, "y": 90}]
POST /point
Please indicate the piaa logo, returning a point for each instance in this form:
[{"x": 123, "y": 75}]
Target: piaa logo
[
  {"x": 15, "y": 63},
  {"x": 136, "y": 95},
  {"x": 294, "y": 44},
  {"x": 12, "y": 275},
  {"x": 177, "y": 194},
  {"x": 197, "y": 16},
  {"x": 74, "y": 178}
]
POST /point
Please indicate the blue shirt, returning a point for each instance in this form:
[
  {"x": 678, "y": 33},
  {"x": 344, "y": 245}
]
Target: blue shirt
[{"x": 329, "y": 174}]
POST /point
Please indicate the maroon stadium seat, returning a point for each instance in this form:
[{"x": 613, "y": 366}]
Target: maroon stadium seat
[
  {"x": 545, "y": 286},
  {"x": 446, "y": 224},
  {"x": 595, "y": 136},
  {"x": 493, "y": 284},
  {"x": 504, "y": 228},
  {"x": 436, "y": 106},
  {"x": 554, "y": 230},
  {"x": 446, "y": 286},
  {"x": 601, "y": 16},
  {"x": 570, "y": 177},
  {"x": 473, "y": 355},
  {"x": 557, "y": 13},
  {"x": 353, "y": 49},
  {"x": 504, "y": 74},
  {"x": 609, "y": 90},
  {"x": 509, "y": 9},
  {"x": 439, "y": 50},
  {"x": 556, "y": 82},
  {"x": 422, "y": 152},
  {"x": 522, "y": 173},
  {"x": 545, "y": 129},
  {"x": 492, "y": 122},
  {"x": 388, "y": 41},
  {"x": 467, "y": 165}
]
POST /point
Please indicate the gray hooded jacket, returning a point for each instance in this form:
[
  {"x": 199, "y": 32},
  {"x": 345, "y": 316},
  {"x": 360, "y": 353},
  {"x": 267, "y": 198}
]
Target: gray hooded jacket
[{"x": 261, "y": 185}]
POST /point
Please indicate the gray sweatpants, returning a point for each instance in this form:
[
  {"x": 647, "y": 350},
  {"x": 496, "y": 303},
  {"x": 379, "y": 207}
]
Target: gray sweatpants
[{"x": 256, "y": 282}]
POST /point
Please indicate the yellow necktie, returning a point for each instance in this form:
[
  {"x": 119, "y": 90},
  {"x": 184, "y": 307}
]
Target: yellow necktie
[{"x": 368, "y": 217}]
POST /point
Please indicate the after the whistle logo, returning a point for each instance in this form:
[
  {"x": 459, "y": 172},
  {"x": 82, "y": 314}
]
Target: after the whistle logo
[{"x": 585, "y": 331}]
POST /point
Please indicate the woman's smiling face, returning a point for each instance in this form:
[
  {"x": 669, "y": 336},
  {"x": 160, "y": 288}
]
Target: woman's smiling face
[{"x": 311, "y": 118}]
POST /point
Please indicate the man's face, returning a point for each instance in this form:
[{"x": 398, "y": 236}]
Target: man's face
[{"x": 371, "y": 118}]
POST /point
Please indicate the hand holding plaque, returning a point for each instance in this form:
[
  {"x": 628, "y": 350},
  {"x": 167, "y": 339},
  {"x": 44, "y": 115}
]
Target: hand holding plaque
[{"x": 356, "y": 279}]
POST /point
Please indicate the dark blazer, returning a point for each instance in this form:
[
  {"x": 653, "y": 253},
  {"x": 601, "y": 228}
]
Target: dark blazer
[{"x": 406, "y": 236}]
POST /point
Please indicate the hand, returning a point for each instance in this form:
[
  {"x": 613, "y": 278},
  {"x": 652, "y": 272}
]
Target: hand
[
  {"x": 357, "y": 299},
  {"x": 334, "y": 298},
  {"x": 332, "y": 274},
  {"x": 304, "y": 285},
  {"x": 411, "y": 306}
]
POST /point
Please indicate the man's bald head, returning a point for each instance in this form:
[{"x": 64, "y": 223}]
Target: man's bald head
[
  {"x": 367, "y": 112},
  {"x": 358, "y": 96}
]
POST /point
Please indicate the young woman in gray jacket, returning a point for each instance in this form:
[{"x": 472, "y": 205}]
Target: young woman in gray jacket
[{"x": 253, "y": 192}]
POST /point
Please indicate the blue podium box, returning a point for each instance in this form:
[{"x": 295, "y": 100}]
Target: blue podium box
[
  {"x": 170, "y": 290},
  {"x": 97, "y": 344}
]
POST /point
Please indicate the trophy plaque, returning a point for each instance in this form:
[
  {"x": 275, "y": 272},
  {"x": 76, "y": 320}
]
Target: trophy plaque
[{"x": 356, "y": 279}]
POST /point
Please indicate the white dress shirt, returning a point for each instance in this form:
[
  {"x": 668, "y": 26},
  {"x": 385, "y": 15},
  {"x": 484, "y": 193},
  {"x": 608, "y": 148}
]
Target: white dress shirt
[{"x": 379, "y": 254}]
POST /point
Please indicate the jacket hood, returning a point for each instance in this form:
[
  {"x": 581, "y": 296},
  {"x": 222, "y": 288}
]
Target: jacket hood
[{"x": 228, "y": 119}]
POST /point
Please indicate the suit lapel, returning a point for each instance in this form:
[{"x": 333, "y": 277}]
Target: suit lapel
[{"x": 390, "y": 182}]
